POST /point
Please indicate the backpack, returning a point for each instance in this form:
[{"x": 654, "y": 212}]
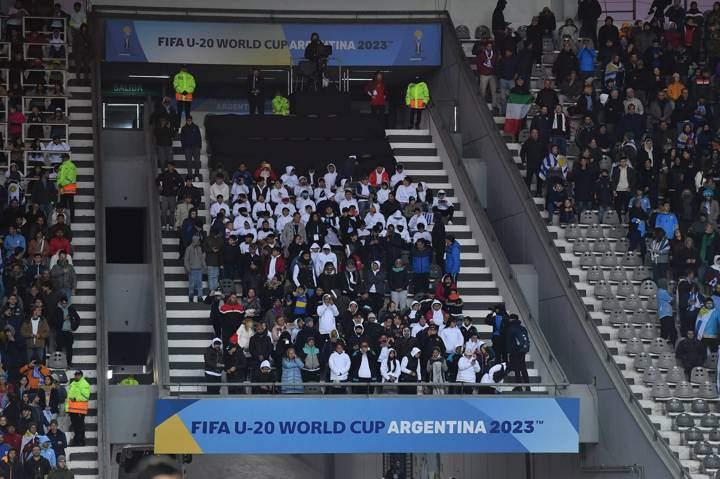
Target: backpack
[{"x": 522, "y": 341}]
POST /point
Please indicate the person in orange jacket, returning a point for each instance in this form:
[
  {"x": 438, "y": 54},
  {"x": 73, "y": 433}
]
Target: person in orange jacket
[{"x": 35, "y": 372}]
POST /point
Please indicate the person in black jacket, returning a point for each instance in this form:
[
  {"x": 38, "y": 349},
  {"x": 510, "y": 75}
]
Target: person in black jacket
[
  {"x": 583, "y": 176},
  {"x": 214, "y": 366},
  {"x": 256, "y": 92},
  {"x": 589, "y": 11},
  {"x": 260, "y": 345},
  {"x": 690, "y": 352},
  {"x": 191, "y": 141},
  {"x": 163, "y": 142},
  {"x": 236, "y": 367},
  {"x": 498, "y": 319},
  {"x": 364, "y": 368},
  {"x": 169, "y": 182},
  {"x": 66, "y": 321},
  {"x": 532, "y": 153},
  {"x": 517, "y": 343},
  {"x": 499, "y": 24},
  {"x": 44, "y": 193}
]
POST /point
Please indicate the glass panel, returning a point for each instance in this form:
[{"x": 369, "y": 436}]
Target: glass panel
[{"x": 123, "y": 115}]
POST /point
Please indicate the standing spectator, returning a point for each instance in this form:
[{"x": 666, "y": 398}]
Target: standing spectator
[
  {"x": 339, "y": 365},
  {"x": 518, "y": 345},
  {"x": 398, "y": 280},
  {"x": 37, "y": 467},
  {"x": 589, "y": 11},
  {"x": 532, "y": 153},
  {"x": 280, "y": 105},
  {"x": 163, "y": 142},
  {"x": 169, "y": 182},
  {"x": 195, "y": 265},
  {"x": 437, "y": 369},
  {"x": 213, "y": 259},
  {"x": 507, "y": 72},
  {"x": 191, "y": 140},
  {"x": 659, "y": 254},
  {"x": 376, "y": 91},
  {"x": 63, "y": 276},
  {"x": 410, "y": 371},
  {"x": 36, "y": 331},
  {"x": 256, "y": 92},
  {"x": 690, "y": 352},
  {"x": 586, "y": 57},
  {"x": 421, "y": 258},
  {"x": 184, "y": 85},
  {"x": 452, "y": 257},
  {"x": 214, "y": 365},
  {"x": 67, "y": 185},
  {"x": 468, "y": 368},
  {"x": 665, "y": 314},
  {"x": 416, "y": 98},
  {"x": 63, "y": 472},
  {"x": 77, "y": 406},
  {"x": 486, "y": 61},
  {"x": 58, "y": 440},
  {"x": 623, "y": 178},
  {"x": 291, "y": 373}
]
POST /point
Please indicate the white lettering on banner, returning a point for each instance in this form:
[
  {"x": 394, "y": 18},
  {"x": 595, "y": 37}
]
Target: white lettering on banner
[{"x": 437, "y": 427}]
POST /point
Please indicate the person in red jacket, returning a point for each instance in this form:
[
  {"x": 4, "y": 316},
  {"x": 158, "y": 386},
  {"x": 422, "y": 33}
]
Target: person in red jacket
[
  {"x": 486, "y": 62},
  {"x": 376, "y": 91},
  {"x": 232, "y": 316},
  {"x": 379, "y": 176},
  {"x": 60, "y": 243}
]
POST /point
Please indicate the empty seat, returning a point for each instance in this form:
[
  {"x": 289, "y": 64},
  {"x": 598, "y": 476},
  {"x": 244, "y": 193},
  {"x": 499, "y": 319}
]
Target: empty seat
[
  {"x": 641, "y": 273},
  {"x": 642, "y": 359},
  {"x": 711, "y": 361},
  {"x": 651, "y": 375},
  {"x": 708, "y": 390},
  {"x": 658, "y": 346},
  {"x": 683, "y": 420},
  {"x": 626, "y": 332},
  {"x": 711, "y": 462},
  {"x": 684, "y": 390},
  {"x": 462, "y": 32},
  {"x": 611, "y": 218},
  {"x": 611, "y": 303},
  {"x": 618, "y": 316},
  {"x": 594, "y": 274},
  {"x": 580, "y": 246},
  {"x": 675, "y": 375},
  {"x": 631, "y": 303},
  {"x": 675, "y": 406},
  {"x": 572, "y": 232},
  {"x": 693, "y": 434},
  {"x": 648, "y": 331},
  {"x": 709, "y": 421},
  {"x": 622, "y": 245},
  {"x": 702, "y": 448},
  {"x": 602, "y": 289},
  {"x": 701, "y": 406},
  {"x": 587, "y": 259},
  {"x": 588, "y": 217},
  {"x": 699, "y": 375},
  {"x": 625, "y": 288},
  {"x": 648, "y": 288},
  {"x": 714, "y": 435},
  {"x": 595, "y": 231},
  {"x": 608, "y": 259},
  {"x": 618, "y": 274},
  {"x": 601, "y": 245},
  {"x": 617, "y": 232},
  {"x": 640, "y": 316},
  {"x": 635, "y": 346},
  {"x": 631, "y": 259},
  {"x": 660, "y": 390},
  {"x": 666, "y": 361}
]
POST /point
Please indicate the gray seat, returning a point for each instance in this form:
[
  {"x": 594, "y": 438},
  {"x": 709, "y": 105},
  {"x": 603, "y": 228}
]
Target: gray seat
[
  {"x": 684, "y": 390},
  {"x": 617, "y": 232},
  {"x": 572, "y": 232},
  {"x": 693, "y": 434},
  {"x": 714, "y": 435},
  {"x": 699, "y": 375},
  {"x": 648, "y": 332},
  {"x": 708, "y": 390},
  {"x": 651, "y": 375},
  {"x": 640, "y": 316},
  {"x": 611, "y": 218},
  {"x": 462, "y": 32},
  {"x": 675, "y": 375},
  {"x": 588, "y": 217},
  {"x": 702, "y": 448},
  {"x": 641, "y": 273},
  {"x": 611, "y": 303},
  {"x": 602, "y": 289},
  {"x": 618, "y": 316},
  {"x": 683, "y": 420},
  {"x": 608, "y": 259},
  {"x": 625, "y": 288},
  {"x": 631, "y": 259},
  {"x": 642, "y": 360},
  {"x": 711, "y": 361},
  {"x": 711, "y": 462},
  {"x": 618, "y": 274},
  {"x": 601, "y": 245},
  {"x": 660, "y": 390},
  {"x": 648, "y": 288},
  {"x": 595, "y": 231},
  {"x": 587, "y": 259},
  {"x": 709, "y": 421},
  {"x": 632, "y": 303},
  {"x": 701, "y": 406},
  {"x": 626, "y": 332},
  {"x": 594, "y": 274},
  {"x": 651, "y": 303},
  {"x": 658, "y": 346},
  {"x": 675, "y": 406},
  {"x": 635, "y": 346},
  {"x": 666, "y": 361},
  {"x": 580, "y": 246},
  {"x": 621, "y": 245}
]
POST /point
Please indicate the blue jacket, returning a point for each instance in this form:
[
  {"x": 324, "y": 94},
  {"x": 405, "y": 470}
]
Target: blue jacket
[
  {"x": 14, "y": 241},
  {"x": 291, "y": 373},
  {"x": 586, "y": 57},
  {"x": 668, "y": 222},
  {"x": 452, "y": 258},
  {"x": 664, "y": 303},
  {"x": 421, "y": 260},
  {"x": 190, "y": 136}
]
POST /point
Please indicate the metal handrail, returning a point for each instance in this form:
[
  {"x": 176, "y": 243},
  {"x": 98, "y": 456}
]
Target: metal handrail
[
  {"x": 63, "y": 30},
  {"x": 26, "y": 100},
  {"x": 536, "y": 222}
]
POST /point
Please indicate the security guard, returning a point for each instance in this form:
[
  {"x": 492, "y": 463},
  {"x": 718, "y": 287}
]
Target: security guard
[
  {"x": 184, "y": 84},
  {"x": 417, "y": 97}
]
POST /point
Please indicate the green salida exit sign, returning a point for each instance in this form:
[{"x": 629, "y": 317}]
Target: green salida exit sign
[{"x": 129, "y": 89}]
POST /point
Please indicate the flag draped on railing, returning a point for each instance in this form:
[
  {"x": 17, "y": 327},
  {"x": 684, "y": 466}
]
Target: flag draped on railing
[{"x": 518, "y": 105}]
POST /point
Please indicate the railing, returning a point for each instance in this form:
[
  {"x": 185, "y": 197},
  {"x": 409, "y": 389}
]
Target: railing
[
  {"x": 44, "y": 158},
  {"x": 31, "y": 77},
  {"x": 4, "y": 51},
  {"x": 49, "y": 104},
  {"x": 49, "y": 130},
  {"x": 47, "y": 25},
  {"x": 42, "y": 52}
]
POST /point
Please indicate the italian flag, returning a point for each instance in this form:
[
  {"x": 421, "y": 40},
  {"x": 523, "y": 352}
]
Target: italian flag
[{"x": 518, "y": 105}]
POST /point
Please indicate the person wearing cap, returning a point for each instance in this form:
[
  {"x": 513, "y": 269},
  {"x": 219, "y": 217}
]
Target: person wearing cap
[
  {"x": 443, "y": 207},
  {"x": 63, "y": 472},
  {"x": 77, "y": 404},
  {"x": 410, "y": 371},
  {"x": 214, "y": 365},
  {"x": 184, "y": 85}
]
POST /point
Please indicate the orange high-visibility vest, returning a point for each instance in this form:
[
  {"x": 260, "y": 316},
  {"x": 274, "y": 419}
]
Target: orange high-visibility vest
[
  {"x": 77, "y": 407},
  {"x": 70, "y": 189}
]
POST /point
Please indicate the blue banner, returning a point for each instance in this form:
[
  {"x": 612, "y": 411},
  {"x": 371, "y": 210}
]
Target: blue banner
[
  {"x": 367, "y": 425},
  {"x": 270, "y": 44}
]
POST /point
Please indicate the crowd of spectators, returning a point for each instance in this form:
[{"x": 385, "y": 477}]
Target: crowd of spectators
[{"x": 624, "y": 130}]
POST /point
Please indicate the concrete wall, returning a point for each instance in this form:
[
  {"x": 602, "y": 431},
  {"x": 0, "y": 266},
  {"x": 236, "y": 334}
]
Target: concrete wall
[
  {"x": 127, "y": 287},
  {"x": 466, "y": 12}
]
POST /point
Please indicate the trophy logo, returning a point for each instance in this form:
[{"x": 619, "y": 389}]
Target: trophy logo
[
  {"x": 418, "y": 43},
  {"x": 127, "y": 33}
]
